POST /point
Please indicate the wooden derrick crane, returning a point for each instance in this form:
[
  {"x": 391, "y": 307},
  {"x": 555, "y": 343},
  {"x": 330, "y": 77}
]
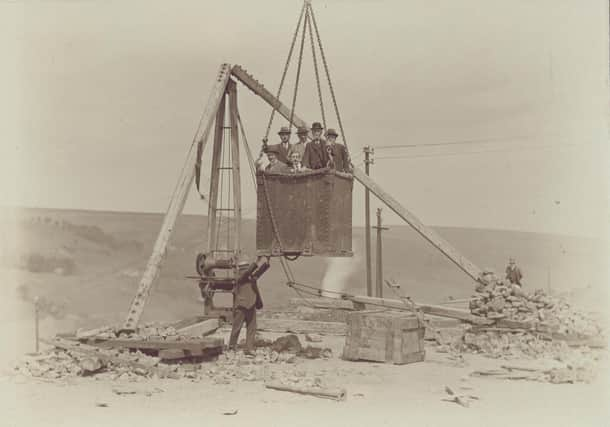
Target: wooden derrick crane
[{"x": 216, "y": 260}]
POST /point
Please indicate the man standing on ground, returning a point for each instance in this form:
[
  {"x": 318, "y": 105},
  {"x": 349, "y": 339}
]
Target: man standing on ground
[
  {"x": 247, "y": 300},
  {"x": 513, "y": 273},
  {"x": 315, "y": 155}
]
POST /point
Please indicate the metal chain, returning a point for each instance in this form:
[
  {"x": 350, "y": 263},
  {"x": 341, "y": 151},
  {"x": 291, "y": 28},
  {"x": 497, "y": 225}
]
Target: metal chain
[
  {"x": 330, "y": 84},
  {"x": 315, "y": 67},
  {"x": 248, "y": 152},
  {"x": 279, "y": 91},
  {"x": 296, "y": 83},
  {"x": 276, "y": 231}
]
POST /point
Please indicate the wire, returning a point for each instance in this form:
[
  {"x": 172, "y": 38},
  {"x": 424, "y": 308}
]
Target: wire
[
  {"x": 279, "y": 91},
  {"x": 537, "y": 147},
  {"x": 458, "y": 142}
]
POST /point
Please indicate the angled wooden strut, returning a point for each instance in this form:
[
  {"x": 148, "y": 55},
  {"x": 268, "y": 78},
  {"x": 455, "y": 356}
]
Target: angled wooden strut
[
  {"x": 177, "y": 201},
  {"x": 427, "y": 233}
]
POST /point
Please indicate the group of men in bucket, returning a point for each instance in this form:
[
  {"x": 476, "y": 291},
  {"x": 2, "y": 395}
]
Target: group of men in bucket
[{"x": 304, "y": 155}]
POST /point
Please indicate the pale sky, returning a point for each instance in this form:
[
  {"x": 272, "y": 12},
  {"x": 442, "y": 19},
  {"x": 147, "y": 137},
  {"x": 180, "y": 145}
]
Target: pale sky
[{"x": 101, "y": 100}]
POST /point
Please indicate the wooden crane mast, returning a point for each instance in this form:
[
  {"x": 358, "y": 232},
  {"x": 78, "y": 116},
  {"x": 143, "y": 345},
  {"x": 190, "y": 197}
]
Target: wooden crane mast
[{"x": 225, "y": 84}]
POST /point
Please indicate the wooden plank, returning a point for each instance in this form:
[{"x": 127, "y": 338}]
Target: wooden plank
[
  {"x": 200, "y": 329},
  {"x": 176, "y": 203},
  {"x": 215, "y": 175},
  {"x": 334, "y": 394},
  {"x": 453, "y": 313},
  {"x": 176, "y": 353},
  {"x": 255, "y": 86},
  {"x": 235, "y": 165},
  {"x": 301, "y": 326},
  {"x": 192, "y": 345},
  {"x": 427, "y": 233},
  {"x": 328, "y": 303}
]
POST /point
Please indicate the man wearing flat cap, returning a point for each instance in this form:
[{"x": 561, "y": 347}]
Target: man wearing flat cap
[
  {"x": 315, "y": 155},
  {"x": 339, "y": 158},
  {"x": 283, "y": 147},
  {"x": 274, "y": 165}
]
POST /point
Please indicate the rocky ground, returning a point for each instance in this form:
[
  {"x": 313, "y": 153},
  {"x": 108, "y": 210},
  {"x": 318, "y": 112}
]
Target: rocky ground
[{"x": 445, "y": 388}]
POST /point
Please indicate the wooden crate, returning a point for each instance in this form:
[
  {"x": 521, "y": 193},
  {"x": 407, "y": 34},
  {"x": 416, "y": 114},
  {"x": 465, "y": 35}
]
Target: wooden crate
[{"x": 384, "y": 336}]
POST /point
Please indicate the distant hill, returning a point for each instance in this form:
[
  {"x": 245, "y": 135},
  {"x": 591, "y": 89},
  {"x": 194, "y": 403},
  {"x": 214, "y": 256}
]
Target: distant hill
[{"x": 110, "y": 250}]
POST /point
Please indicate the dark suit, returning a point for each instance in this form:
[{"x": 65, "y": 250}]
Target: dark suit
[
  {"x": 315, "y": 155},
  {"x": 514, "y": 275},
  {"x": 282, "y": 151},
  {"x": 247, "y": 301},
  {"x": 340, "y": 157}
]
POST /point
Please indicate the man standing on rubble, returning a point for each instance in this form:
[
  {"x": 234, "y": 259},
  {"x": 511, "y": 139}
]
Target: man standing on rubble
[
  {"x": 513, "y": 273},
  {"x": 247, "y": 300},
  {"x": 315, "y": 155}
]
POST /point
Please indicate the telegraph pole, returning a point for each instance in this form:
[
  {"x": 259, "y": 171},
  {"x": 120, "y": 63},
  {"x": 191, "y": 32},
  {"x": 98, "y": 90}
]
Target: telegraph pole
[
  {"x": 368, "y": 151},
  {"x": 379, "y": 229}
]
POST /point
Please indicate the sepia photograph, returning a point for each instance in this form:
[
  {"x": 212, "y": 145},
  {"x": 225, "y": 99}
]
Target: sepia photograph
[{"x": 304, "y": 213}]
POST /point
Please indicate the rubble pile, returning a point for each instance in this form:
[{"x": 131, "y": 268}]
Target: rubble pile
[
  {"x": 61, "y": 364},
  {"x": 499, "y": 299},
  {"x": 228, "y": 367}
]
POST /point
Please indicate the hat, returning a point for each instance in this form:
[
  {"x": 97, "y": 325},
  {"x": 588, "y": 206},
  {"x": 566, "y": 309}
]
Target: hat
[
  {"x": 302, "y": 130},
  {"x": 272, "y": 149},
  {"x": 316, "y": 126},
  {"x": 284, "y": 129},
  {"x": 331, "y": 132}
]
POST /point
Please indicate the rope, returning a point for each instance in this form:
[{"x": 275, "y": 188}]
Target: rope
[
  {"x": 279, "y": 91},
  {"x": 315, "y": 67},
  {"x": 296, "y": 83},
  {"x": 248, "y": 152},
  {"x": 330, "y": 84}
]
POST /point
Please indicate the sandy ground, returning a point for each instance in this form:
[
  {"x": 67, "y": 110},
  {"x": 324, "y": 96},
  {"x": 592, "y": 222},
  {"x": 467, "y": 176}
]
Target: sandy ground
[{"x": 378, "y": 394}]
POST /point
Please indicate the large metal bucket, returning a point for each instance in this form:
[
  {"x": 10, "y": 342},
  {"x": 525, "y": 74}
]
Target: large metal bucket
[{"x": 312, "y": 211}]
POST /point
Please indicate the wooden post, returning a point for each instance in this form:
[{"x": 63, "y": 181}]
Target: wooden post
[
  {"x": 36, "y": 323},
  {"x": 367, "y": 223},
  {"x": 233, "y": 118},
  {"x": 215, "y": 175},
  {"x": 177, "y": 201},
  {"x": 379, "y": 229}
]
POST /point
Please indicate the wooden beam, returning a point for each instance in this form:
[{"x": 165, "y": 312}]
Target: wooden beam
[
  {"x": 200, "y": 329},
  {"x": 427, "y": 233},
  {"x": 176, "y": 203},
  {"x": 301, "y": 326},
  {"x": 435, "y": 310},
  {"x": 215, "y": 174},
  {"x": 328, "y": 303},
  {"x": 233, "y": 119},
  {"x": 255, "y": 86},
  {"x": 158, "y": 344},
  {"x": 325, "y": 393}
]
